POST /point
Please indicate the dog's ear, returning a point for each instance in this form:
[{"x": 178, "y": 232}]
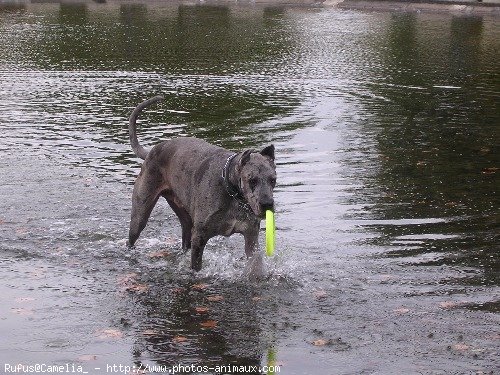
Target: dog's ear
[
  {"x": 268, "y": 151},
  {"x": 245, "y": 157}
]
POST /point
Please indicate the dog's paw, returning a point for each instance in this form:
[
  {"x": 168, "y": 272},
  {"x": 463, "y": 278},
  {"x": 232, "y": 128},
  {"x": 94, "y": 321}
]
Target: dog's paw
[{"x": 255, "y": 269}]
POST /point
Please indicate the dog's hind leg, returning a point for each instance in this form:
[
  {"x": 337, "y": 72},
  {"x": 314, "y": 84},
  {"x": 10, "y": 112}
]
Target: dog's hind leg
[
  {"x": 187, "y": 226},
  {"x": 184, "y": 218},
  {"x": 144, "y": 199}
]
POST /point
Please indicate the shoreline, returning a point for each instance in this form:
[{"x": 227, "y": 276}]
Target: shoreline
[
  {"x": 486, "y": 7},
  {"x": 463, "y": 7}
]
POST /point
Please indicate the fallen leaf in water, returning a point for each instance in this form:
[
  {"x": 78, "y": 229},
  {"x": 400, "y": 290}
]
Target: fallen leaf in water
[
  {"x": 171, "y": 240},
  {"x": 21, "y": 311},
  {"x": 257, "y": 298},
  {"x": 449, "y": 304},
  {"x": 110, "y": 333},
  {"x": 21, "y": 231},
  {"x": 386, "y": 277},
  {"x": 150, "y": 332},
  {"x": 320, "y": 342},
  {"x": 87, "y": 357},
  {"x": 127, "y": 278},
  {"x": 159, "y": 254},
  {"x": 179, "y": 339},
  {"x": 461, "y": 347},
  {"x": 490, "y": 170},
  {"x": 401, "y": 310},
  {"x": 24, "y": 299},
  {"x": 201, "y": 309},
  {"x": 130, "y": 284},
  {"x": 58, "y": 251},
  {"x": 199, "y": 286},
  {"x": 137, "y": 288},
  {"x": 215, "y": 298},
  {"x": 209, "y": 324},
  {"x": 37, "y": 273},
  {"x": 320, "y": 294}
]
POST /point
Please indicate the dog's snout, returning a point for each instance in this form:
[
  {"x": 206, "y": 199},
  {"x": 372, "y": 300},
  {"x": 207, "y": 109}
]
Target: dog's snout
[{"x": 268, "y": 205}]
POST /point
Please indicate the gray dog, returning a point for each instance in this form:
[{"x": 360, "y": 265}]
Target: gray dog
[{"x": 212, "y": 190}]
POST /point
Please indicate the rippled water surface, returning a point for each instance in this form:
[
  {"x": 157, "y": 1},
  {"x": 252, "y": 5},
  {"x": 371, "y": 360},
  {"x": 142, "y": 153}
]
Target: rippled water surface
[{"x": 386, "y": 127}]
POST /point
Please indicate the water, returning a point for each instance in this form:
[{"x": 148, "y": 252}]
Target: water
[{"x": 386, "y": 129}]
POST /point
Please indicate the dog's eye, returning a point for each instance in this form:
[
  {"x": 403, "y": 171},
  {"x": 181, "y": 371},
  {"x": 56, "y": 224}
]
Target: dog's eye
[
  {"x": 253, "y": 182},
  {"x": 272, "y": 181}
]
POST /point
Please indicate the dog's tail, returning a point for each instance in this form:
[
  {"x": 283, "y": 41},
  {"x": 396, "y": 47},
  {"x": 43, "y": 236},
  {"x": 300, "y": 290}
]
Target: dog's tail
[{"x": 140, "y": 151}]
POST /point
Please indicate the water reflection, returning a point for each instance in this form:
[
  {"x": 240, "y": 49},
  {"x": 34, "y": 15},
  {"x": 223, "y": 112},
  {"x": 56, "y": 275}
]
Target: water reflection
[
  {"x": 185, "y": 324},
  {"x": 436, "y": 139},
  {"x": 221, "y": 102},
  {"x": 387, "y": 133}
]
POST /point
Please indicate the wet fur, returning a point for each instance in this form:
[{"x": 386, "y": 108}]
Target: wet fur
[{"x": 187, "y": 173}]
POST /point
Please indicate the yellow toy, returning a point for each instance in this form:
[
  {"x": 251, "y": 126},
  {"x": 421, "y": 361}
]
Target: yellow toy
[{"x": 270, "y": 233}]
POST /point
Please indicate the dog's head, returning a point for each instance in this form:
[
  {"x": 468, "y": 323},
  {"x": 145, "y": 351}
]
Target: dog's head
[{"x": 257, "y": 173}]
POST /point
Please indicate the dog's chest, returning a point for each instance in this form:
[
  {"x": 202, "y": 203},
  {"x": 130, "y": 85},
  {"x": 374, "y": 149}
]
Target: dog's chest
[{"x": 235, "y": 226}]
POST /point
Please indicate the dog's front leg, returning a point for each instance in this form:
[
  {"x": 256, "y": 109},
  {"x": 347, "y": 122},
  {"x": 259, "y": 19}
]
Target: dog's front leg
[
  {"x": 254, "y": 269},
  {"x": 198, "y": 242},
  {"x": 251, "y": 240}
]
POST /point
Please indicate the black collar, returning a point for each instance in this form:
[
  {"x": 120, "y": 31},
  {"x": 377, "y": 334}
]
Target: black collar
[{"x": 234, "y": 191}]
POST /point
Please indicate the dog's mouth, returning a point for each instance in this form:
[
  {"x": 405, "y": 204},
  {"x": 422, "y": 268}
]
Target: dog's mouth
[{"x": 262, "y": 210}]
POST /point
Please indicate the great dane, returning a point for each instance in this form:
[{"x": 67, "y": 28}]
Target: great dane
[{"x": 212, "y": 190}]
